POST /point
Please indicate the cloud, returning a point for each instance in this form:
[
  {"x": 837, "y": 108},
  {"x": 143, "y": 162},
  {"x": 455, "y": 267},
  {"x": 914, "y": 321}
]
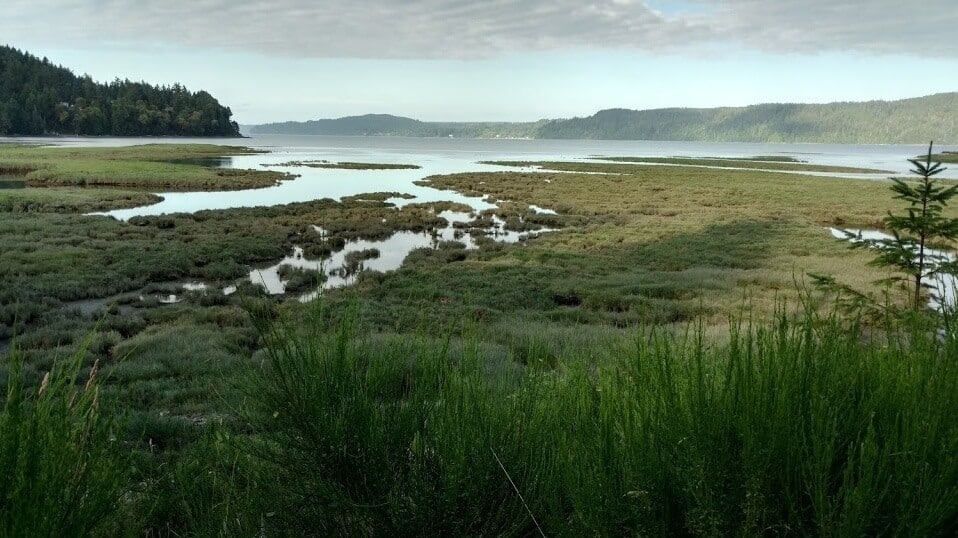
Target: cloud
[
  {"x": 898, "y": 27},
  {"x": 349, "y": 28},
  {"x": 462, "y": 29}
]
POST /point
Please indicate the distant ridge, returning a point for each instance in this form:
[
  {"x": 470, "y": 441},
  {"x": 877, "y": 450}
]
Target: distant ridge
[
  {"x": 389, "y": 125},
  {"x": 907, "y": 121}
]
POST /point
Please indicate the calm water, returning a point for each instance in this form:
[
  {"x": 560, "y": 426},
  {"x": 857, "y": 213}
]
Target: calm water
[{"x": 446, "y": 155}]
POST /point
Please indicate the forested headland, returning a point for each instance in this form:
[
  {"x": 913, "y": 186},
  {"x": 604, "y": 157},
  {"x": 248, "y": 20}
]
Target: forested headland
[
  {"x": 39, "y": 98},
  {"x": 906, "y": 121}
]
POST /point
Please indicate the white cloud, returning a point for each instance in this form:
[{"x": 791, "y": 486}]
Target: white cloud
[
  {"x": 900, "y": 27},
  {"x": 476, "y": 28}
]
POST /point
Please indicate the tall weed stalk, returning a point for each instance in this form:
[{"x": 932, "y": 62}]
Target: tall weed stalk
[{"x": 61, "y": 475}]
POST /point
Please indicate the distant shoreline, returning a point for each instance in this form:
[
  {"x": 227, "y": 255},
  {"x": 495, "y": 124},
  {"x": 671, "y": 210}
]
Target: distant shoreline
[{"x": 906, "y": 121}]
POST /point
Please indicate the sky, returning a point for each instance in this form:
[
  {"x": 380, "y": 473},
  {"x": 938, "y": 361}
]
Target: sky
[{"x": 498, "y": 60}]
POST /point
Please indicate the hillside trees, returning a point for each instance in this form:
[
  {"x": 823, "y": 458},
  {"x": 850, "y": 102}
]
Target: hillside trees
[{"x": 38, "y": 98}]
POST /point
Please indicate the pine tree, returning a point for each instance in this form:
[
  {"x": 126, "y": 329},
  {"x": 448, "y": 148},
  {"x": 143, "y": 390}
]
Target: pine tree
[{"x": 911, "y": 250}]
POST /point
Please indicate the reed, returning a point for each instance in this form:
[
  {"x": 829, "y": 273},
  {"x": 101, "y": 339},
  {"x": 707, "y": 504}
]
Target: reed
[{"x": 799, "y": 426}]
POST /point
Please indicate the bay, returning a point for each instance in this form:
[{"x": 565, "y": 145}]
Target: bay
[{"x": 451, "y": 155}]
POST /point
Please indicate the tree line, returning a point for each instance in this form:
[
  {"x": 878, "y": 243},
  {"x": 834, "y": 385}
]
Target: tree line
[{"x": 40, "y": 98}]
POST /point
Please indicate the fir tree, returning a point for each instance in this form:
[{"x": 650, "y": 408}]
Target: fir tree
[{"x": 911, "y": 250}]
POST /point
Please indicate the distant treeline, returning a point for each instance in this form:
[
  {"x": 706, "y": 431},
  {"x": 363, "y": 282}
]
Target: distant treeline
[
  {"x": 917, "y": 120},
  {"x": 388, "y": 125},
  {"x": 39, "y": 98}
]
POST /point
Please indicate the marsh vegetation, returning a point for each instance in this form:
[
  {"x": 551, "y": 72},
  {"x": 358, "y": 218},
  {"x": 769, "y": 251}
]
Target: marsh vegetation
[{"x": 644, "y": 369}]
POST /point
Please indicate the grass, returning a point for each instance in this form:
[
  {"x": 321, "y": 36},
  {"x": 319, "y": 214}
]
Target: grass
[
  {"x": 62, "y": 470},
  {"x": 70, "y": 200},
  {"x": 593, "y": 370},
  {"x": 346, "y": 430},
  {"x": 754, "y": 163},
  {"x": 149, "y": 166},
  {"x": 689, "y": 239},
  {"x": 347, "y": 165},
  {"x": 647, "y": 434},
  {"x": 944, "y": 157}
]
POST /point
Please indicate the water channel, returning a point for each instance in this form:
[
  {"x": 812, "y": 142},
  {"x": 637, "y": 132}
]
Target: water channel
[{"x": 439, "y": 156}]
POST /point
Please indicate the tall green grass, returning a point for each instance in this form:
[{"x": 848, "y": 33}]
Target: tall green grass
[
  {"x": 61, "y": 475},
  {"x": 798, "y": 427}
]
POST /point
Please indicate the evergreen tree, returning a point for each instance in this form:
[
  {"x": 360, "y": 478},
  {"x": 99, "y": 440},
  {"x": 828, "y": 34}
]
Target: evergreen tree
[
  {"x": 910, "y": 250},
  {"x": 914, "y": 233}
]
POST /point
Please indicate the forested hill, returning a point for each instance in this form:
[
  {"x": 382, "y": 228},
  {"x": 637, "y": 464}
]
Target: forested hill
[
  {"x": 388, "y": 125},
  {"x": 39, "y": 98},
  {"x": 917, "y": 120}
]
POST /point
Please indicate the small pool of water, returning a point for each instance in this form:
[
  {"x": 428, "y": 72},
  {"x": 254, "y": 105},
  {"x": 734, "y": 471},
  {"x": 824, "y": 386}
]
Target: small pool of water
[
  {"x": 12, "y": 182},
  {"x": 392, "y": 253}
]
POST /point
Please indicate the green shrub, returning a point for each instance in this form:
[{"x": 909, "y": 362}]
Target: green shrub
[
  {"x": 58, "y": 458},
  {"x": 801, "y": 427}
]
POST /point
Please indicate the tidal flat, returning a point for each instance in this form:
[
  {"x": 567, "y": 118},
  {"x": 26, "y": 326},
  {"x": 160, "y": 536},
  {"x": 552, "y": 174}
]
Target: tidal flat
[{"x": 569, "y": 324}]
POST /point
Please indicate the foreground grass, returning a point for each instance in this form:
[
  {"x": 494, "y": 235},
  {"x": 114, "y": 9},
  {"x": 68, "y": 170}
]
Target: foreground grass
[
  {"x": 797, "y": 426},
  {"x": 61, "y": 464},
  {"x": 151, "y": 166}
]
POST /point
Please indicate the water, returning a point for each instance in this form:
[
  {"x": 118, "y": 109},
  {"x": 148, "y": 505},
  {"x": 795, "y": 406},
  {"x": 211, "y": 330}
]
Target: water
[
  {"x": 442, "y": 156},
  {"x": 392, "y": 253},
  {"x": 12, "y": 182},
  {"x": 448, "y": 156}
]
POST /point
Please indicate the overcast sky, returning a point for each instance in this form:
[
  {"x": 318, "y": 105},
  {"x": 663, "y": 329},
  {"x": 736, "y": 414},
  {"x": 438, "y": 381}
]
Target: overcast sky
[{"x": 505, "y": 60}]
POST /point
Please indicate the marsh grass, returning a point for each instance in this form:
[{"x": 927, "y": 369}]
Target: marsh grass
[
  {"x": 943, "y": 157},
  {"x": 738, "y": 231},
  {"x": 364, "y": 166},
  {"x": 761, "y": 163},
  {"x": 794, "y": 427},
  {"x": 151, "y": 166},
  {"x": 70, "y": 200}
]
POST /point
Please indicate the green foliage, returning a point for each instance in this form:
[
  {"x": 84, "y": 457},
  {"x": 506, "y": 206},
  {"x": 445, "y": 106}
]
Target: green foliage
[
  {"x": 924, "y": 223},
  {"x": 58, "y": 455},
  {"x": 39, "y": 98},
  {"x": 649, "y": 434},
  {"x": 909, "y": 251},
  {"x": 152, "y": 166}
]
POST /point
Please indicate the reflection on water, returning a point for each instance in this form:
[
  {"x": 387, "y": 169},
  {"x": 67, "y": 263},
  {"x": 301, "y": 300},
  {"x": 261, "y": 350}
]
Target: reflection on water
[
  {"x": 208, "y": 162},
  {"x": 392, "y": 252},
  {"x": 12, "y": 182}
]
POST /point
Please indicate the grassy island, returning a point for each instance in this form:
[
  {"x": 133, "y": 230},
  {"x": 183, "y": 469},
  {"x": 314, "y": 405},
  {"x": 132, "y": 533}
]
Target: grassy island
[
  {"x": 150, "y": 166},
  {"x": 786, "y": 164}
]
